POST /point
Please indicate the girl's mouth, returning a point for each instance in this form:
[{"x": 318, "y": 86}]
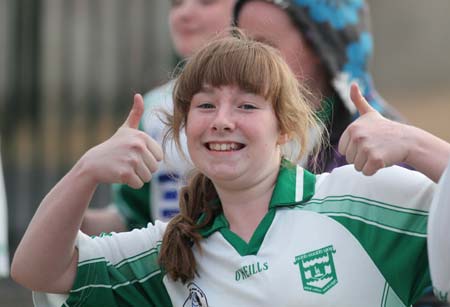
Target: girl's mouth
[{"x": 226, "y": 146}]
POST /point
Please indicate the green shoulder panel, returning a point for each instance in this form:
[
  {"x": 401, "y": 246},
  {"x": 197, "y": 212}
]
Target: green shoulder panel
[{"x": 394, "y": 238}]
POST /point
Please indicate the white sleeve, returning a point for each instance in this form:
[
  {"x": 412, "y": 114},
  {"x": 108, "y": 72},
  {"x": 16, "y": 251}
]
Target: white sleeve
[
  {"x": 439, "y": 238},
  {"x": 113, "y": 248},
  {"x": 42, "y": 299}
]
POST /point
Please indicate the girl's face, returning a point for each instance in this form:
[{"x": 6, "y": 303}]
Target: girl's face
[
  {"x": 233, "y": 135},
  {"x": 194, "y": 22}
]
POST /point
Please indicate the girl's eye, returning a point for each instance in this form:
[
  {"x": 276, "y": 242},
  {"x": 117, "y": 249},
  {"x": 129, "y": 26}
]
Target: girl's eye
[
  {"x": 206, "y": 105},
  {"x": 247, "y": 106}
]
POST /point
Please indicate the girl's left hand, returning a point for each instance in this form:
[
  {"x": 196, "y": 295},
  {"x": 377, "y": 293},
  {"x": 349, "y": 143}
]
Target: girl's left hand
[{"x": 372, "y": 142}]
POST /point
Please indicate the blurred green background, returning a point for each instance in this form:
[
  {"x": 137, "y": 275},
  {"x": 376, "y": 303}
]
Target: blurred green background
[{"x": 69, "y": 69}]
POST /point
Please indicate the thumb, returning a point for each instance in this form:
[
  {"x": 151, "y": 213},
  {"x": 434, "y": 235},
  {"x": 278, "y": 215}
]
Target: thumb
[
  {"x": 134, "y": 117},
  {"x": 359, "y": 101}
]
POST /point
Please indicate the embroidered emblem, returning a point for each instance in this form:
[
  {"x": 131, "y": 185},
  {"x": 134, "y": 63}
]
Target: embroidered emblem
[
  {"x": 317, "y": 270},
  {"x": 196, "y": 298}
]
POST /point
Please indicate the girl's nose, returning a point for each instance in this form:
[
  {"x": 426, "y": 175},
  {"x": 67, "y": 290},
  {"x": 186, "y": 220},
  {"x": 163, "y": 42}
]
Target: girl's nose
[{"x": 223, "y": 121}]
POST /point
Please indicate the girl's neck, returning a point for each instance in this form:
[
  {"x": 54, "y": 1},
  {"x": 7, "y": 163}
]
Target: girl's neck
[{"x": 244, "y": 208}]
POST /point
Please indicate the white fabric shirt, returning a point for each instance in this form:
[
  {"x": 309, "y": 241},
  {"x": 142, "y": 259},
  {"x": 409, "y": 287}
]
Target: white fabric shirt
[{"x": 338, "y": 239}]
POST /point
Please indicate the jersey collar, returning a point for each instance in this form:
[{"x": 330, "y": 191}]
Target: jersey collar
[{"x": 294, "y": 185}]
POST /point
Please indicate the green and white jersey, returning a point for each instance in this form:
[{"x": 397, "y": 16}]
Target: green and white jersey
[
  {"x": 338, "y": 239},
  {"x": 157, "y": 200}
]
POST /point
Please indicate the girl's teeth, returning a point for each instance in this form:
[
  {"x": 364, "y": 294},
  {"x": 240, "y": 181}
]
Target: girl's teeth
[{"x": 223, "y": 147}]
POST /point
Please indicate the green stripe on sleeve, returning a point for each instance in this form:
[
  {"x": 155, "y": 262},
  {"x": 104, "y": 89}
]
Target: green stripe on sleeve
[{"x": 135, "y": 281}]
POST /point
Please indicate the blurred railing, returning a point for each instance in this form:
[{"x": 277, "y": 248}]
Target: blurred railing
[{"x": 68, "y": 70}]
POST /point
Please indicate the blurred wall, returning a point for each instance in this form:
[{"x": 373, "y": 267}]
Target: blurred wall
[
  {"x": 68, "y": 72},
  {"x": 411, "y": 63}
]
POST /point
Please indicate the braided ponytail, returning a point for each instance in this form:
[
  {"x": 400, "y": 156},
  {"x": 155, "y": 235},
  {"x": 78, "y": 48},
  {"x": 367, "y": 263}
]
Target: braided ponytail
[{"x": 181, "y": 235}]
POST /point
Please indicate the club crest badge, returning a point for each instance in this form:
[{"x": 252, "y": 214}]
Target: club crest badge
[
  {"x": 317, "y": 270},
  {"x": 196, "y": 298}
]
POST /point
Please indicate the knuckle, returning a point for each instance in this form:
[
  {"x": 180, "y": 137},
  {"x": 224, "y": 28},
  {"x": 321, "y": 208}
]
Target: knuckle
[
  {"x": 353, "y": 129},
  {"x": 137, "y": 146},
  {"x": 132, "y": 161},
  {"x": 366, "y": 150},
  {"x": 359, "y": 139},
  {"x": 124, "y": 176},
  {"x": 142, "y": 135}
]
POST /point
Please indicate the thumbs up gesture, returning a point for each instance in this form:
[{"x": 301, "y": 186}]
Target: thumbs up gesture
[
  {"x": 372, "y": 142},
  {"x": 130, "y": 156}
]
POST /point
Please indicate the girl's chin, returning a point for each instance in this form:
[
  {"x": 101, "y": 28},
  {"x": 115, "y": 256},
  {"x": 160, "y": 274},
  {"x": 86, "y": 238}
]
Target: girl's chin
[{"x": 221, "y": 173}]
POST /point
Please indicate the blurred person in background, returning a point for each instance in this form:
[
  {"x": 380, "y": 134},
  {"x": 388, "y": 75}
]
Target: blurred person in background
[
  {"x": 192, "y": 23},
  {"x": 4, "y": 251},
  {"x": 328, "y": 45}
]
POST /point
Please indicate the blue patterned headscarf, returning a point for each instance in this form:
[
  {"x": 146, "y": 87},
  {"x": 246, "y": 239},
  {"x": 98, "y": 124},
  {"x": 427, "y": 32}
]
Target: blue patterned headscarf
[{"x": 338, "y": 30}]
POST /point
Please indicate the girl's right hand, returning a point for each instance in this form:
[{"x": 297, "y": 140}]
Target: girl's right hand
[{"x": 130, "y": 156}]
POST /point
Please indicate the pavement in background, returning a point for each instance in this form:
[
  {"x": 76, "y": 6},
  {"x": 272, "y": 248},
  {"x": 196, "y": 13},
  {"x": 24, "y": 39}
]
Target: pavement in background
[{"x": 13, "y": 295}]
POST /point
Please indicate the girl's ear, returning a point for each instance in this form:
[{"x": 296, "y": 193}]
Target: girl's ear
[{"x": 283, "y": 138}]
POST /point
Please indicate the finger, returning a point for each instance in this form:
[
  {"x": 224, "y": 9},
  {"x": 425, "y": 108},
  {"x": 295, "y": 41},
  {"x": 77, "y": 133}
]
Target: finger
[
  {"x": 360, "y": 160},
  {"x": 359, "y": 101},
  {"x": 134, "y": 117},
  {"x": 150, "y": 161},
  {"x": 133, "y": 181},
  {"x": 143, "y": 172},
  {"x": 351, "y": 152},
  {"x": 343, "y": 142},
  {"x": 372, "y": 166},
  {"x": 154, "y": 148}
]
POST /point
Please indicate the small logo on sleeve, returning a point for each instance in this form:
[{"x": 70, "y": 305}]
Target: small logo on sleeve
[{"x": 317, "y": 270}]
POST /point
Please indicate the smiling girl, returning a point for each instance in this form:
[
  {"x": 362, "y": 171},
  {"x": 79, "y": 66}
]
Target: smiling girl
[{"x": 254, "y": 229}]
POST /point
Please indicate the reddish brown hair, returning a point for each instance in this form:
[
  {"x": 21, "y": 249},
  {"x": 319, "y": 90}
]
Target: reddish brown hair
[{"x": 256, "y": 68}]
